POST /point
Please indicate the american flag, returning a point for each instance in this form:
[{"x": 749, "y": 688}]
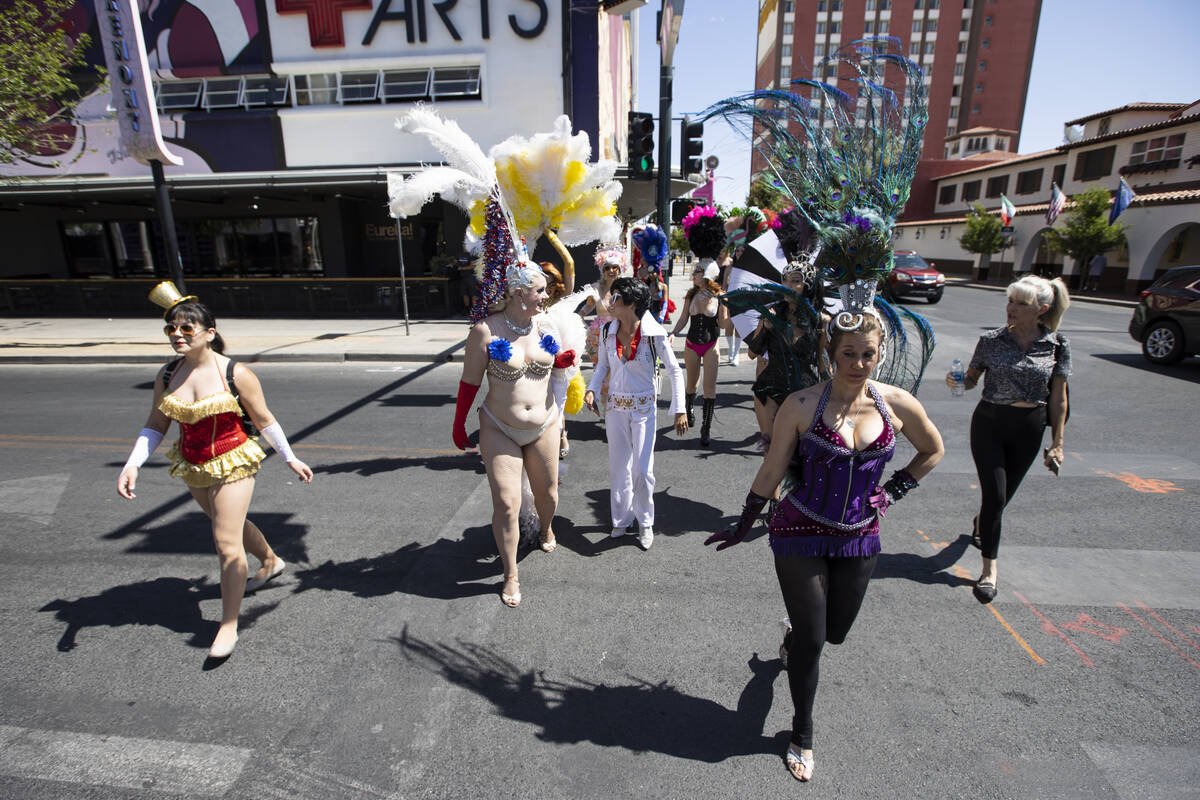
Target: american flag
[{"x": 1057, "y": 201}]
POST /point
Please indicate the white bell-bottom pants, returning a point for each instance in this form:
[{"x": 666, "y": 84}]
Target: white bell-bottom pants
[{"x": 631, "y": 465}]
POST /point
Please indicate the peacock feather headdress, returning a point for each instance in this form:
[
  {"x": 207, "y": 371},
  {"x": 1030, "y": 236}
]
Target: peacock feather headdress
[{"x": 845, "y": 157}]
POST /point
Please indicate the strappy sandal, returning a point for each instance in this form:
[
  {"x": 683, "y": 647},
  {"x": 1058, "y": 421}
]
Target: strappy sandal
[
  {"x": 564, "y": 447},
  {"x": 794, "y": 759},
  {"x": 511, "y": 600},
  {"x": 549, "y": 544}
]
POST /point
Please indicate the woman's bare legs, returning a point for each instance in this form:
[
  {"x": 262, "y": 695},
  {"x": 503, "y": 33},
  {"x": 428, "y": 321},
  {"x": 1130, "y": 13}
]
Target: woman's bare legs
[
  {"x": 692, "y": 362},
  {"x": 541, "y": 465},
  {"x": 226, "y": 505},
  {"x": 503, "y": 461}
]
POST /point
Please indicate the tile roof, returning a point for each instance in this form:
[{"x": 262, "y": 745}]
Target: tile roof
[
  {"x": 1129, "y": 107},
  {"x": 1001, "y": 162},
  {"x": 1148, "y": 199},
  {"x": 1150, "y": 126}
]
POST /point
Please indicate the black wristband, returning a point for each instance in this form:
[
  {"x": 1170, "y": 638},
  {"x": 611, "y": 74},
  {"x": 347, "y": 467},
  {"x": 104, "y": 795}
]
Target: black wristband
[{"x": 900, "y": 484}]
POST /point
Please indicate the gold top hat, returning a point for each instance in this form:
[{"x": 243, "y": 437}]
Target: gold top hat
[{"x": 166, "y": 296}]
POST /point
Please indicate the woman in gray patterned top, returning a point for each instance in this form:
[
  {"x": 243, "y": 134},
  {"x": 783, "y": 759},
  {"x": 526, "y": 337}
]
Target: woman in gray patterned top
[{"x": 1026, "y": 364}]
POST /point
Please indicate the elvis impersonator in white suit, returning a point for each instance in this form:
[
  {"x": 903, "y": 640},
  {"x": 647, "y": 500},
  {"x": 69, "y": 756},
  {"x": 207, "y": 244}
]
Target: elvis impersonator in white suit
[{"x": 630, "y": 347}]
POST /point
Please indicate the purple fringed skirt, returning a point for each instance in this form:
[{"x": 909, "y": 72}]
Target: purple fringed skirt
[{"x": 792, "y": 533}]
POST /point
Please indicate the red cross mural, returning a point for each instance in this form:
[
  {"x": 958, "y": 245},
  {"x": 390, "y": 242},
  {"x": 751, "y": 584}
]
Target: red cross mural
[{"x": 324, "y": 18}]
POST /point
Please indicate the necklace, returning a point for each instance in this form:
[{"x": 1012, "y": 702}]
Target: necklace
[
  {"x": 520, "y": 330},
  {"x": 851, "y": 421}
]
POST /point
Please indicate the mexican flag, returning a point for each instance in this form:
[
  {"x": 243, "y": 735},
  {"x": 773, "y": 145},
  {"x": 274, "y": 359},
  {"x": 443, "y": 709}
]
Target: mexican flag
[{"x": 1007, "y": 211}]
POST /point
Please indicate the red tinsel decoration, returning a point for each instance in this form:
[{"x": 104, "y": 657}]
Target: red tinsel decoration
[{"x": 498, "y": 255}]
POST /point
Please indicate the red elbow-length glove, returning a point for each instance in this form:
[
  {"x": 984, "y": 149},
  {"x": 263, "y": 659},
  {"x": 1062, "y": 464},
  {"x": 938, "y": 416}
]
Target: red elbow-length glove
[{"x": 466, "y": 396}]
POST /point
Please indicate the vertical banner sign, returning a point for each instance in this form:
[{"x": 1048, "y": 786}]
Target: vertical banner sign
[{"x": 128, "y": 71}]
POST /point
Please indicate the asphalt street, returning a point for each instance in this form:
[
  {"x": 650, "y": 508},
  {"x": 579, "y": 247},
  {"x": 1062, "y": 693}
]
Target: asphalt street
[{"x": 382, "y": 664}]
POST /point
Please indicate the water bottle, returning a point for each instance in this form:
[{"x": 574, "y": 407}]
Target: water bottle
[{"x": 959, "y": 374}]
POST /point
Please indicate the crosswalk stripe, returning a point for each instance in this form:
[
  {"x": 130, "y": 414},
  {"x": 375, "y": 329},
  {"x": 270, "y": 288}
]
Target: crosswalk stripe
[{"x": 183, "y": 768}]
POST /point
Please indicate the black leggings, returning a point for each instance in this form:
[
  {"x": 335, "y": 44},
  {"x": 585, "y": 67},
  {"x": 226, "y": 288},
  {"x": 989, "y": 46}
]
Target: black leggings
[
  {"x": 822, "y": 596},
  {"x": 1004, "y": 442}
]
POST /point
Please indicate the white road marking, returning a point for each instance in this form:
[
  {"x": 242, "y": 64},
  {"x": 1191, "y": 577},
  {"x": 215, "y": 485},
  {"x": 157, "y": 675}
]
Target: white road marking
[
  {"x": 183, "y": 768},
  {"x": 1163, "y": 773},
  {"x": 36, "y": 497}
]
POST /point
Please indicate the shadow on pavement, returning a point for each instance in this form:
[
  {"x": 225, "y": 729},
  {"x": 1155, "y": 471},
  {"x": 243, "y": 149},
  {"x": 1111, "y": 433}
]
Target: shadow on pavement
[
  {"x": 376, "y": 466},
  {"x": 673, "y": 516},
  {"x": 925, "y": 569},
  {"x": 638, "y": 715},
  {"x": 1188, "y": 369},
  {"x": 192, "y": 533},
  {"x": 450, "y": 570},
  {"x": 171, "y": 603}
]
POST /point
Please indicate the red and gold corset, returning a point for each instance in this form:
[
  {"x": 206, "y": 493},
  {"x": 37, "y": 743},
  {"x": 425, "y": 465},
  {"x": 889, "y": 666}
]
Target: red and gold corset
[{"x": 212, "y": 448}]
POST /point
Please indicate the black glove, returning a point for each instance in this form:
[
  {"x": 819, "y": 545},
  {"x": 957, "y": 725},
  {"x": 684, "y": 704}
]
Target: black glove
[{"x": 735, "y": 534}]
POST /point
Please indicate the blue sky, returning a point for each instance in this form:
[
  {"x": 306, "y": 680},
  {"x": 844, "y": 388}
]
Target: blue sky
[{"x": 1090, "y": 55}]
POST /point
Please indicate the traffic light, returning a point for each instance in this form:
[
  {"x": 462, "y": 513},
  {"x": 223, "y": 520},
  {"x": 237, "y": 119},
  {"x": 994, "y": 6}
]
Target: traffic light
[
  {"x": 690, "y": 148},
  {"x": 682, "y": 206},
  {"x": 641, "y": 145}
]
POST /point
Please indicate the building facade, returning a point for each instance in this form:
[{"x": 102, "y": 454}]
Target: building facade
[
  {"x": 976, "y": 56},
  {"x": 284, "y": 112},
  {"x": 1155, "y": 147}
]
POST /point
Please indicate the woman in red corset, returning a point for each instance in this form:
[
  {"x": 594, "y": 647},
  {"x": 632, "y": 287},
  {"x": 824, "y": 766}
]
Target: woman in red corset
[{"x": 206, "y": 392}]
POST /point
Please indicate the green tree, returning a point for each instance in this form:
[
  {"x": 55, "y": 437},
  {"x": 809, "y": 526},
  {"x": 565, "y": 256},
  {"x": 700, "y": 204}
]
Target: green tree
[
  {"x": 678, "y": 242},
  {"x": 39, "y": 68},
  {"x": 1086, "y": 233},
  {"x": 983, "y": 236},
  {"x": 764, "y": 195}
]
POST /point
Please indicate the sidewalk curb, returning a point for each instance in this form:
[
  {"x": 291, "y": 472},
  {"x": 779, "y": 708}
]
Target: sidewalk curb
[{"x": 1075, "y": 298}]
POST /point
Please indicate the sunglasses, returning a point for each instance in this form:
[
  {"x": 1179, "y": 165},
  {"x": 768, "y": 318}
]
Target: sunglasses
[{"x": 186, "y": 328}]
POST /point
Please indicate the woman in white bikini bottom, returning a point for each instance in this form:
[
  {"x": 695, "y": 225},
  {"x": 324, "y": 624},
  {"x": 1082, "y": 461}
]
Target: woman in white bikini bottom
[{"x": 522, "y": 437}]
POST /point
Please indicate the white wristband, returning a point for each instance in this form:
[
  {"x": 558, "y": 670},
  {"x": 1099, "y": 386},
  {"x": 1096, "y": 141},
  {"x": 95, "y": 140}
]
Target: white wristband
[
  {"x": 274, "y": 434},
  {"x": 147, "y": 441}
]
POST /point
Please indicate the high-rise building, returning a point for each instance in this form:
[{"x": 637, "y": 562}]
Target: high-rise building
[{"x": 976, "y": 56}]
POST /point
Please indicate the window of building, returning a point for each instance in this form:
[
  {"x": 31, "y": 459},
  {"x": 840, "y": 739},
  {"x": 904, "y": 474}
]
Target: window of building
[
  {"x": 930, "y": 25},
  {"x": 997, "y": 186},
  {"x": 947, "y": 194},
  {"x": 962, "y": 47},
  {"x": 1001, "y": 142},
  {"x": 835, "y": 5},
  {"x": 979, "y": 88},
  {"x": 820, "y": 29},
  {"x": 787, "y": 29},
  {"x": 819, "y": 51},
  {"x": 951, "y": 130},
  {"x": 987, "y": 20},
  {"x": 822, "y": 5},
  {"x": 456, "y": 81},
  {"x": 958, "y": 70},
  {"x": 956, "y": 90},
  {"x": 884, "y": 5},
  {"x": 884, "y": 25},
  {"x": 263, "y": 90},
  {"x": 987, "y": 43},
  {"x": 870, "y": 5},
  {"x": 917, "y": 5},
  {"x": 1160, "y": 148},
  {"x": 1029, "y": 181},
  {"x": 965, "y": 25},
  {"x": 966, "y": 4},
  {"x": 835, "y": 27},
  {"x": 1105, "y": 126},
  {"x": 928, "y": 51},
  {"x": 222, "y": 93},
  {"x": 975, "y": 108},
  {"x": 1094, "y": 164},
  {"x": 954, "y": 148},
  {"x": 931, "y": 4},
  {"x": 317, "y": 90},
  {"x": 179, "y": 94},
  {"x": 914, "y": 48},
  {"x": 789, "y": 7},
  {"x": 916, "y": 26},
  {"x": 359, "y": 87},
  {"x": 404, "y": 84},
  {"x": 786, "y": 51},
  {"x": 970, "y": 191},
  {"x": 982, "y": 66},
  {"x": 1060, "y": 174},
  {"x": 869, "y": 26}
]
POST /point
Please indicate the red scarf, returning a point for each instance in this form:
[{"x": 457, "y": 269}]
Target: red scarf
[{"x": 633, "y": 345}]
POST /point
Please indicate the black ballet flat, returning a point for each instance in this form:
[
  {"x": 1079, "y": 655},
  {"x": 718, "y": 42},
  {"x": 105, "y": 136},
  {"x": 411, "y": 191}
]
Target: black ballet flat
[{"x": 984, "y": 592}]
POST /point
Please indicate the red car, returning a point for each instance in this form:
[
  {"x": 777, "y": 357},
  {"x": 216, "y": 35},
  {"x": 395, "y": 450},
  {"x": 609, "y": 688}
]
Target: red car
[{"x": 913, "y": 276}]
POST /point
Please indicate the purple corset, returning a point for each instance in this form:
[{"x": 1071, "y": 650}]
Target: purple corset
[{"x": 826, "y": 513}]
